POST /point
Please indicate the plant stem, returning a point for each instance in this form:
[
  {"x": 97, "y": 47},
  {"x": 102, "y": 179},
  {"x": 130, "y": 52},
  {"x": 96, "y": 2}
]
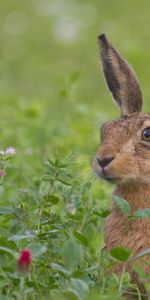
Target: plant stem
[{"x": 121, "y": 278}]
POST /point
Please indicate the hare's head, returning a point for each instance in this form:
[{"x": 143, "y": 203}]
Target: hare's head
[{"x": 124, "y": 153}]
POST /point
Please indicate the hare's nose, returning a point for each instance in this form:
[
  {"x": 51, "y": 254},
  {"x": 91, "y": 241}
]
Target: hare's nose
[{"x": 105, "y": 161}]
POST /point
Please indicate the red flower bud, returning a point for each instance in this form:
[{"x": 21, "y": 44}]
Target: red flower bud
[{"x": 24, "y": 260}]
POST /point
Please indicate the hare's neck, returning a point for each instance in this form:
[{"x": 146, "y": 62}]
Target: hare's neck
[{"x": 137, "y": 196}]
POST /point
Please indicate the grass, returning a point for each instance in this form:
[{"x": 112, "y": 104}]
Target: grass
[{"x": 52, "y": 103}]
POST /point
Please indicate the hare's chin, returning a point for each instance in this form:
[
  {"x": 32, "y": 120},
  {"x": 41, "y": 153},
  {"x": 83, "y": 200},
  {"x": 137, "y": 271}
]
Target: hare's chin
[{"x": 111, "y": 179}]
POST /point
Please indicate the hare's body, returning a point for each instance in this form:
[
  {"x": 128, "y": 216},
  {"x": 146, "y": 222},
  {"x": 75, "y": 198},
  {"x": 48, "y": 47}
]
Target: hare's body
[
  {"x": 133, "y": 234},
  {"x": 124, "y": 159}
]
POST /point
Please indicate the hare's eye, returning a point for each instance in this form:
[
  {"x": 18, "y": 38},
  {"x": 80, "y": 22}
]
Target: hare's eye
[{"x": 146, "y": 134}]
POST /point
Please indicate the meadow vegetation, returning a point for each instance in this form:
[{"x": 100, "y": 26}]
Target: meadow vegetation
[{"x": 52, "y": 102}]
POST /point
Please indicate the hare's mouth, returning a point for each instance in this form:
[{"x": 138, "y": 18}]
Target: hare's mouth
[{"x": 110, "y": 179}]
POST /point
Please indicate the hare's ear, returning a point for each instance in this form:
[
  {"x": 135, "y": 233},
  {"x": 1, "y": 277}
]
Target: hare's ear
[{"x": 120, "y": 78}]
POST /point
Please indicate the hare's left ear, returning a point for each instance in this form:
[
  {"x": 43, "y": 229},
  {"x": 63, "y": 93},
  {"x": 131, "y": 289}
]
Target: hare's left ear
[{"x": 120, "y": 77}]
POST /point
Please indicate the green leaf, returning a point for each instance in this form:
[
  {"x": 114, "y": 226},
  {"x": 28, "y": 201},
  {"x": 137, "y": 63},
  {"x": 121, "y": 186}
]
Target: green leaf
[
  {"x": 123, "y": 205},
  {"x": 37, "y": 249},
  {"x": 50, "y": 162},
  {"x": 52, "y": 199},
  {"x": 80, "y": 237},
  {"x": 104, "y": 213},
  {"x": 6, "y": 210},
  {"x": 59, "y": 268},
  {"x": 21, "y": 237},
  {"x": 47, "y": 178},
  {"x": 63, "y": 295},
  {"x": 71, "y": 254},
  {"x": 9, "y": 251},
  {"x": 3, "y": 297},
  {"x": 139, "y": 271},
  {"x": 69, "y": 295},
  {"x": 121, "y": 253},
  {"x": 126, "y": 278},
  {"x": 142, "y": 213},
  {"x": 3, "y": 260},
  {"x": 81, "y": 287},
  {"x": 36, "y": 284},
  {"x": 86, "y": 187},
  {"x": 63, "y": 181},
  {"x": 89, "y": 231},
  {"x": 82, "y": 275},
  {"x": 60, "y": 164}
]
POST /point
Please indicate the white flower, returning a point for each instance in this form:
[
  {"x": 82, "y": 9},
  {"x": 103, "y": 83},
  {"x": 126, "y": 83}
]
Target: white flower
[
  {"x": 10, "y": 151},
  {"x": 2, "y": 152}
]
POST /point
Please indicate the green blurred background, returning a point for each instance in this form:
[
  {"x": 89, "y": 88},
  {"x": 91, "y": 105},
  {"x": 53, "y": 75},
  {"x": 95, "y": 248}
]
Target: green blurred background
[
  {"x": 52, "y": 95},
  {"x": 53, "y": 100}
]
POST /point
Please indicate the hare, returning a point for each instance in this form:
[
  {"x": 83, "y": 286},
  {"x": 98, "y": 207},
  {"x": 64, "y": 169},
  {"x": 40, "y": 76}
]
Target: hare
[{"x": 123, "y": 158}]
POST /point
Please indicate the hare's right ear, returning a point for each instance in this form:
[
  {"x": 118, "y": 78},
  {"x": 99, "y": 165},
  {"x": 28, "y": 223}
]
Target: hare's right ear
[{"x": 120, "y": 78}]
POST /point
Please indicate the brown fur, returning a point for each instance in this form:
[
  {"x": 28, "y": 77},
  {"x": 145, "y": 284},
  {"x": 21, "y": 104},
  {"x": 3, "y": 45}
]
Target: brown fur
[{"x": 129, "y": 165}]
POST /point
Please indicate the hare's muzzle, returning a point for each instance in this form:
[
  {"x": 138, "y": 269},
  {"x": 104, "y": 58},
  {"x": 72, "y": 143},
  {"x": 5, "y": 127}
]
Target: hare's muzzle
[
  {"x": 102, "y": 166},
  {"x": 105, "y": 161}
]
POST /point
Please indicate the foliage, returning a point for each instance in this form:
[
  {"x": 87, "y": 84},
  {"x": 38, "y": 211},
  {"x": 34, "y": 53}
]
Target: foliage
[
  {"x": 53, "y": 218},
  {"x": 53, "y": 101}
]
